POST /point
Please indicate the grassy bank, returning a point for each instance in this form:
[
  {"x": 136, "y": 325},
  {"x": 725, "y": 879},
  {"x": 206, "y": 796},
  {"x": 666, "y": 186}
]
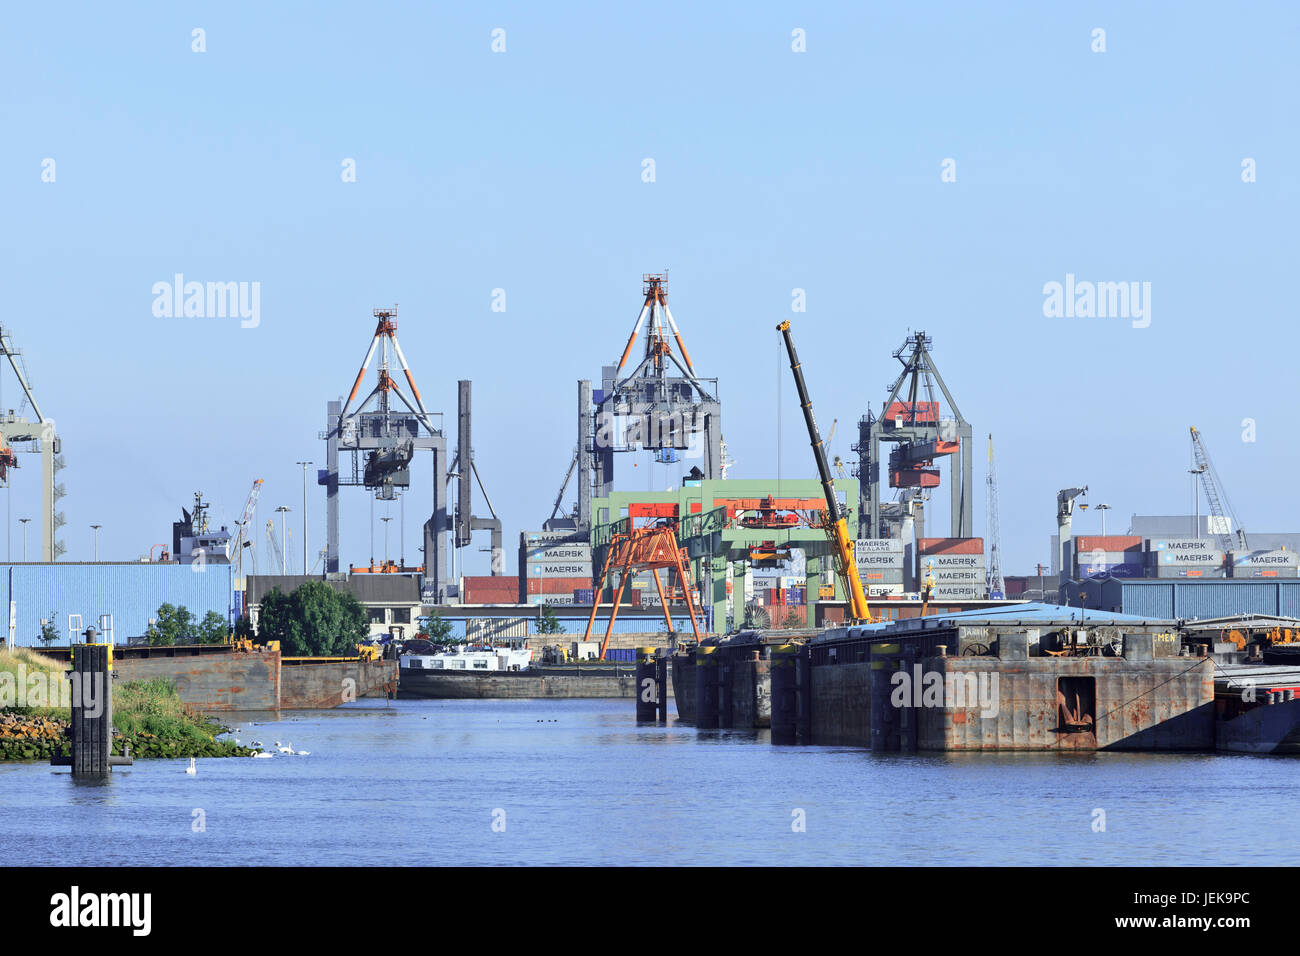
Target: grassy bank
[{"x": 147, "y": 715}]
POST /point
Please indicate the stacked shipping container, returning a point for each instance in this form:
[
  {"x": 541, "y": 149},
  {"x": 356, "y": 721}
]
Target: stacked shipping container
[
  {"x": 1184, "y": 558},
  {"x": 881, "y": 566},
  {"x": 554, "y": 567},
  {"x": 958, "y": 566},
  {"x": 1118, "y": 555}
]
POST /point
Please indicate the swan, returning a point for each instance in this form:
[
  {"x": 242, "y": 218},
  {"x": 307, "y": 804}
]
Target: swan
[{"x": 191, "y": 769}]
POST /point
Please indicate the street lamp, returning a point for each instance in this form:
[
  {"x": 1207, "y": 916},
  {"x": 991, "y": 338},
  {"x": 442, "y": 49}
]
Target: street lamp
[
  {"x": 1196, "y": 489},
  {"x": 95, "y": 528},
  {"x": 284, "y": 566},
  {"x": 1103, "y": 509},
  {"x": 24, "y": 521},
  {"x": 304, "y": 513}
]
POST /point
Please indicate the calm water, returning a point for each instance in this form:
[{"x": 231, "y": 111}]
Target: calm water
[{"x": 417, "y": 782}]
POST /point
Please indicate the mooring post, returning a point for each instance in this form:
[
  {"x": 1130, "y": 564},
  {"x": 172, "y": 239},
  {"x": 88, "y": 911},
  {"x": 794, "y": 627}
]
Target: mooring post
[
  {"x": 803, "y": 706},
  {"x": 91, "y": 727},
  {"x": 647, "y": 695},
  {"x": 726, "y": 691},
  {"x": 784, "y": 708},
  {"x": 706, "y": 688},
  {"x": 661, "y": 682}
]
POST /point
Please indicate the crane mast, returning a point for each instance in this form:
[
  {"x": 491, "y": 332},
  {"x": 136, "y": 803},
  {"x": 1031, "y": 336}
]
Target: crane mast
[
  {"x": 837, "y": 530},
  {"x": 1216, "y": 498},
  {"x": 996, "y": 585}
]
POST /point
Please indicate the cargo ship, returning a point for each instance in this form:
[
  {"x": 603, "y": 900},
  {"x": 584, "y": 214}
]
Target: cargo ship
[{"x": 506, "y": 670}]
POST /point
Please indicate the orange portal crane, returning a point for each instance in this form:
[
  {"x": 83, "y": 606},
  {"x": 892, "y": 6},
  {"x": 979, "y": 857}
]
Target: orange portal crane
[
  {"x": 641, "y": 549},
  {"x": 837, "y": 529}
]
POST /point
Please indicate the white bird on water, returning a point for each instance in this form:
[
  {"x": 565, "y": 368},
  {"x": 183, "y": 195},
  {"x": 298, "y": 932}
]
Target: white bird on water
[
  {"x": 191, "y": 769},
  {"x": 286, "y": 749},
  {"x": 262, "y": 753}
]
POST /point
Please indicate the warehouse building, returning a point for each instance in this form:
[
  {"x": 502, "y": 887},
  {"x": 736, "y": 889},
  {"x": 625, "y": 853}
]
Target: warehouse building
[{"x": 118, "y": 599}]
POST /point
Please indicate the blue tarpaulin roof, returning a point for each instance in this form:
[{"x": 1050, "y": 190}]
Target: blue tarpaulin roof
[{"x": 1032, "y": 613}]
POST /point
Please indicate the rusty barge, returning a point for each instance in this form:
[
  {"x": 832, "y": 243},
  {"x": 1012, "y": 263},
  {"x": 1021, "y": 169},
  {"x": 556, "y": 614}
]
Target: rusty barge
[{"x": 1024, "y": 677}]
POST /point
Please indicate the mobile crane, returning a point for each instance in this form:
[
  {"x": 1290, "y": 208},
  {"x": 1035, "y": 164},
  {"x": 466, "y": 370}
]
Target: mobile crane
[{"x": 837, "y": 530}]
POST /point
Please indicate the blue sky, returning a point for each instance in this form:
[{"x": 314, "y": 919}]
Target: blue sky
[{"x": 775, "y": 170}]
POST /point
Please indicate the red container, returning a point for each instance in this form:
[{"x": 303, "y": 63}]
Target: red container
[
  {"x": 556, "y": 585},
  {"x": 914, "y": 478},
  {"x": 951, "y": 546},
  {"x": 1109, "y": 542}
]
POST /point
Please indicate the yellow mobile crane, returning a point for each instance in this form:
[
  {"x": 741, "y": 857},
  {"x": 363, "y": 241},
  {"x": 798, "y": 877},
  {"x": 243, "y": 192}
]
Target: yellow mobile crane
[{"x": 837, "y": 529}]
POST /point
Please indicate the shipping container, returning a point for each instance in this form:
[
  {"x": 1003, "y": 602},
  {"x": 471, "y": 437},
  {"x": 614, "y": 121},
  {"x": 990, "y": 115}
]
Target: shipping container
[
  {"x": 948, "y": 562},
  {"x": 560, "y": 552},
  {"x": 1110, "y": 542},
  {"x": 1182, "y": 545},
  {"x": 959, "y": 576},
  {"x": 1095, "y": 556},
  {"x": 883, "y": 590},
  {"x": 929, "y": 546},
  {"x": 1183, "y": 571},
  {"x": 881, "y": 576},
  {"x": 880, "y": 559},
  {"x": 1188, "y": 559},
  {"x": 865, "y": 545},
  {"x": 558, "y": 569},
  {"x": 1266, "y": 559},
  {"x": 1126, "y": 570},
  {"x": 556, "y": 585},
  {"x": 914, "y": 478}
]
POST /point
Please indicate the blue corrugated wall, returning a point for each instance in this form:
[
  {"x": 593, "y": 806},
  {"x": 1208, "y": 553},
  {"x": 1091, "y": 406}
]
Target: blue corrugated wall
[
  {"x": 131, "y": 593},
  {"x": 1170, "y": 600}
]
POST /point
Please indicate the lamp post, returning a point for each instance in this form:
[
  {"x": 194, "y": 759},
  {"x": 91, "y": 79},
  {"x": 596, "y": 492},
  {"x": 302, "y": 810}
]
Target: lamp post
[
  {"x": 1196, "y": 490},
  {"x": 95, "y": 528},
  {"x": 24, "y": 521},
  {"x": 1103, "y": 509},
  {"x": 304, "y": 514},
  {"x": 284, "y": 557}
]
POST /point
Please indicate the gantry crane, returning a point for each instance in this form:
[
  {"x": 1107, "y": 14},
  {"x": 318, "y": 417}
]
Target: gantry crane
[
  {"x": 645, "y": 549},
  {"x": 846, "y": 563},
  {"x": 661, "y": 405},
  {"x": 1227, "y": 526},
  {"x": 910, "y": 420}
]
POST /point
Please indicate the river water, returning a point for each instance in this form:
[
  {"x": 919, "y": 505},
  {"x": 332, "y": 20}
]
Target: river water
[{"x": 579, "y": 782}]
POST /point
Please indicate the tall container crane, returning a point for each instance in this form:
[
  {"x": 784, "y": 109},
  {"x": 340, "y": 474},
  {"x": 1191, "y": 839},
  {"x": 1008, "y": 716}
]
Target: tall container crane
[
  {"x": 996, "y": 585},
  {"x": 846, "y": 563},
  {"x": 1217, "y": 499}
]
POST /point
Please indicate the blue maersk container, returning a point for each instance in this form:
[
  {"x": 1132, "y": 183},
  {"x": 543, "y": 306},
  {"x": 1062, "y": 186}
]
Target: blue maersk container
[{"x": 77, "y": 596}]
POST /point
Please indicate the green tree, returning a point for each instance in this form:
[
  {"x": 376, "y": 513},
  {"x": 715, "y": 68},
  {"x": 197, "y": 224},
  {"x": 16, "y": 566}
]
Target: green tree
[
  {"x": 313, "y": 621},
  {"x": 243, "y": 628},
  {"x": 49, "y": 631},
  {"x": 213, "y": 629},
  {"x": 436, "y": 630},
  {"x": 549, "y": 624},
  {"x": 175, "y": 625}
]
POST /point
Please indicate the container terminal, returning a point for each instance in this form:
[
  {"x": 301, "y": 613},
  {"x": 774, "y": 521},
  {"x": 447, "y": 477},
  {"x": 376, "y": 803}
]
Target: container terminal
[{"x": 824, "y": 586}]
